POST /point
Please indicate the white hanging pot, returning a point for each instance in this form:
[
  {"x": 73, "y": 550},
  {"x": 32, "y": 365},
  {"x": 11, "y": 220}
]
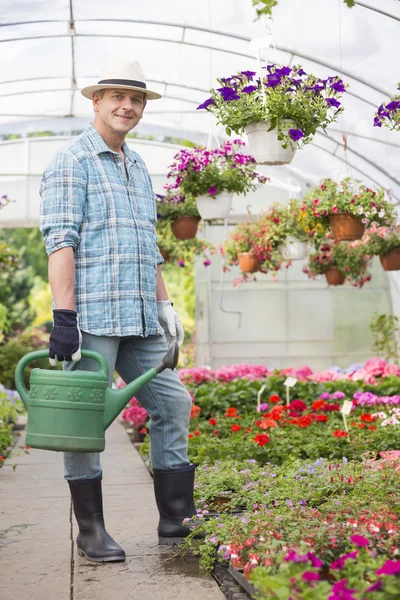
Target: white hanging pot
[
  {"x": 214, "y": 208},
  {"x": 294, "y": 249},
  {"x": 265, "y": 146}
]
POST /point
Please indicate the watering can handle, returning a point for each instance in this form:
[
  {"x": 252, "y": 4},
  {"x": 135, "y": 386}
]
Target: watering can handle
[{"x": 25, "y": 360}]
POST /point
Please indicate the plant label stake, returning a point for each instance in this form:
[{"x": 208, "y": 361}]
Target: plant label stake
[
  {"x": 289, "y": 383},
  {"x": 259, "y": 396},
  {"x": 346, "y": 410}
]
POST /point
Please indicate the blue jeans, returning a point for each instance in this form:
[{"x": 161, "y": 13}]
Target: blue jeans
[{"x": 165, "y": 398}]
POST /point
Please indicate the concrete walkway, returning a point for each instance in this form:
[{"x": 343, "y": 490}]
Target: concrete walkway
[{"x": 38, "y": 559}]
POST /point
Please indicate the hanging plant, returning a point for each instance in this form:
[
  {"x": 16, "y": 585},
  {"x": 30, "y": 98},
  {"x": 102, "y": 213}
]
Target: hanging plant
[
  {"x": 385, "y": 243},
  {"x": 389, "y": 114},
  {"x": 338, "y": 205},
  {"x": 292, "y": 104},
  {"x": 264, "y": 7},
  {"x": 179, "y": 211},
  {"x": 340, "y": 261},
  {"x": 211, "y": 177}
]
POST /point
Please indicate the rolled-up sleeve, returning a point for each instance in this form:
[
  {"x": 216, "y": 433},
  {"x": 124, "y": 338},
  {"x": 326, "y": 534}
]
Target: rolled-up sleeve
[{"x": 63, "y": 197}]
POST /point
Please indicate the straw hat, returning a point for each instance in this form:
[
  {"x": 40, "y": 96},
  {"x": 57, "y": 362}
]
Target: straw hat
[{"x": 123, "y": 74}]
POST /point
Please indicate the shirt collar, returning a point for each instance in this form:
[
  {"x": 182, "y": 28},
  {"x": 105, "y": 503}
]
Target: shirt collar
[{"x": 100, "y": 145}]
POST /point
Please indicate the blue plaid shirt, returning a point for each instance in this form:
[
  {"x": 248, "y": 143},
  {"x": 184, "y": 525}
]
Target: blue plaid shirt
[{"x": 108, "y": 217}]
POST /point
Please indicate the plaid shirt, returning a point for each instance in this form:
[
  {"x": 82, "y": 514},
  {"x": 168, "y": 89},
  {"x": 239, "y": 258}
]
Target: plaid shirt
[{"x": 108, "y": 217}]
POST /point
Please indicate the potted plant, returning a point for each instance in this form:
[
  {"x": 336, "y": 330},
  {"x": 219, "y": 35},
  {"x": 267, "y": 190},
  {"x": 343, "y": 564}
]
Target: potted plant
[
  {"x": 385, "y": 243},
  {"x": 181, "y": 213},
  {"x": 389, "y": 114},
  {"x": 294, "y": 238},
  {"x": 339, "y": 261},
  {"x": 181, "y": 252},
  {"x": 347, "y": 208},
  {"x": 279, "y": 114},
  {"x": 211, "y": 177},
  {"x": 239, "y": 248}
]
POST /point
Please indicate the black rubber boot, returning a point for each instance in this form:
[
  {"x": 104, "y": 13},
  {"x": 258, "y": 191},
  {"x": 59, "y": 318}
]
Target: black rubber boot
[
  {"x": 93, "y": 541},
  {"x": 174, "y": 497}
]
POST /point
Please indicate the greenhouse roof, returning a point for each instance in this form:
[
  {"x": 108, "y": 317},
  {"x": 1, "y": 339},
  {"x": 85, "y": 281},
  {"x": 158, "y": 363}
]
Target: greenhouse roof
[{"x": 51, "y": 50}]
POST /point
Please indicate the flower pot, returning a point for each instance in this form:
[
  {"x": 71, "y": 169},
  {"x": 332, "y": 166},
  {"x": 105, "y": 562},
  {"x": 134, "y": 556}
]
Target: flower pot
[
  {"x": 265, "y": 146},
  {"x": 391, "y": 261},
  {"x": 185, "y": 228},
  {"x": 293, "y": 249},
  {"x": 334, "y": 276},
  {"x": 248, "y": 263},
  {"x": 346, "y": 227},
  {"x": 164, "y": 254},
  {"x": 214, "y": 208}
]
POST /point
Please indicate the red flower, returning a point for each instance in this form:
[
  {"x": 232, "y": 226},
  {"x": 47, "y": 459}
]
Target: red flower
[
  {"x": 372, "y": 427},
  {"x": 274, "y": 398},
  {"x": 216, "y": 432},
  {"x": 261, "y": 439},
  {"x": 190, "y": 436},
  {"x": 320, "y": 418},
  {"x": 361, "y": 426},
  {"x": 318, "y": 404},
  {"x": 338, "y": 433},
  {"x": 235, "y": 427},
  {"x": 257, "y": 423},
  {"x": 212, "y": 421},
  {"x": 197, "y": 432},
  {"x": 231, "y": 412},
  {"x": 331, "y": 407},
  {"x": 143, "y": 430},
  {"x": 304, "y": 421},
  {"x": 265, "y": 423},
  {"x": 298, "y": 405},
  {"x": 195, "y": 412},
  {"x": 367, "y": 418}
]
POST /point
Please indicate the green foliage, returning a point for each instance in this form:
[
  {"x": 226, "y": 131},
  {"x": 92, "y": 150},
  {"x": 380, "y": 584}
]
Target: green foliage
[
  {"x": 15, "y": 348},
  {"x": 6, "y": 440},
  {"x": 31, "y": 247},
  {"x": 15, "y": 288},
  {"x": 172, "y": 210},
  {"x": 264, "y": 7},
  {"x": 8, "y": 410},
  {"x": 383, "y": 240},
  {"x": 384, "y": 330}
]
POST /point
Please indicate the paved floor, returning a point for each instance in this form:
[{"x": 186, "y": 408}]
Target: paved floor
[{"x": 38, "y": 559}]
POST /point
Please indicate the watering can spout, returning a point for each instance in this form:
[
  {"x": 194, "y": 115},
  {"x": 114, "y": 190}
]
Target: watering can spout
[{"x": 116, "y": 400}]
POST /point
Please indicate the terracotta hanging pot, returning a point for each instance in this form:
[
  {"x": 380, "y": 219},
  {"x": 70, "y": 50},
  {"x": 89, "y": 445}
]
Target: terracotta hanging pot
[
  {"x": 164, "y": 254},
  {"x": 391, "y": 261},
  {"x": 248, "y": 263},
  {"x": 334, "y": 276},
  {"x": 265, "y": 146},
  {"x": 185, "y": 228},
  {"x": 346, "y": 227}
]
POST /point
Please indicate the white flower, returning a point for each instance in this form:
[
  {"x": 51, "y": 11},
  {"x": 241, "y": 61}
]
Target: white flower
[
  {"x": 360, "y": 210},
  {"x": 374, "y": 210},
  {"x": 381, "y": 213},
  {"x": 379, "y": 415},
  {"x": 367, "y": 214}
]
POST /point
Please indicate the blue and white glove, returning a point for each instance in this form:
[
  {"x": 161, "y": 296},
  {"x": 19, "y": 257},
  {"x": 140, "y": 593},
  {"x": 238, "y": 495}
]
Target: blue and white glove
[
  {"x": 170, "y": 322},
  {"x": 65, "y": 337}
]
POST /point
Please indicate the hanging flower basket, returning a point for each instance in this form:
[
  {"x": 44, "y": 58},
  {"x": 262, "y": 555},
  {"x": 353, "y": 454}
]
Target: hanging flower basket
[
  {"x": 214, "y": 208},
  {"x": 334, "y": 276},
  {"x": 391, "y": 261},
  {"x": 265, "y": 146},
  {"x": 294, "y": 249},
  {"x": 248, "y": 263},
  {"x": 185, "y": 228},
  {"x": 346, "y": 227}
]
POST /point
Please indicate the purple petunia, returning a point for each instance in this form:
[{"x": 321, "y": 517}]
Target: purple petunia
[
  {"x": 228, "y": 94},
  {"x": 206, "y": 103},
  {"x": 284, "y": 71},
  {"x": 248, "y": 74},
  {"x": 296, "y": 134},
  {"x": 338, "y": 86},
  {"x": 394, "y": 105},
  {"x": 213, "y": 191},
  {"x": 249, "y": 89},
  {"x": 273, "y": 80},
  {"x": 375, "y": 587},
  {"x": 302, "y": 72},
  {"x": 377, "y": 122},
  {"x": 332, "y": 102},
  {"x": 181, "y": 263},
  {"x": 207, "y": 262}
]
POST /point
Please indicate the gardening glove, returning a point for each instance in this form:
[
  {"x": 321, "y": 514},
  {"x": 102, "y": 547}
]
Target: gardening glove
[
  {"x": 170, "y": 322},
  {"x": 65, "y": 337}
]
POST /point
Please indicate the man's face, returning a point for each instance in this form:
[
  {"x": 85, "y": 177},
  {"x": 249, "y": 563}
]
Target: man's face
[{"x": 120, "y": 110}]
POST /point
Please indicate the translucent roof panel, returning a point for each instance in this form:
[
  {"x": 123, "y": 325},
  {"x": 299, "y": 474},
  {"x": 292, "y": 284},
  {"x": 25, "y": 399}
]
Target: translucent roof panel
[{"x": 50, "y": 50}]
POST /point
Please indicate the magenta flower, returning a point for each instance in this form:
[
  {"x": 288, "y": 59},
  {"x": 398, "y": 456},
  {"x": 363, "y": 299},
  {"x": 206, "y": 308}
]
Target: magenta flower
[
  {"x": 310, "y": 576},
  {"x": 181, "y": 263},
  {"x": 375, "y": 587},
  {"x": 391, "y": 567},
  {"x": 207, "y": 262},
  {"x": 294, "y": 557},
  {"x": 339, "y": 563},
  {"x": 359, "y": 540},
  {"x": 213, "y": 191}
]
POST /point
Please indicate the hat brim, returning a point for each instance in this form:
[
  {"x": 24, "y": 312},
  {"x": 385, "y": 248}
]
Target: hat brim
[{"x": 89, "y": 91}]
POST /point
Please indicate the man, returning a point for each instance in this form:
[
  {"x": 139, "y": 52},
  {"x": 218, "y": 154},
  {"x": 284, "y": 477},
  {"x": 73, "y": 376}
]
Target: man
[{"x": 98, "y": 219}]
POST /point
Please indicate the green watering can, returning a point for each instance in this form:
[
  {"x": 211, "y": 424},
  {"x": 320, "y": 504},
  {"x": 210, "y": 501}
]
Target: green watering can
[{"x": 70, "y": 410}]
